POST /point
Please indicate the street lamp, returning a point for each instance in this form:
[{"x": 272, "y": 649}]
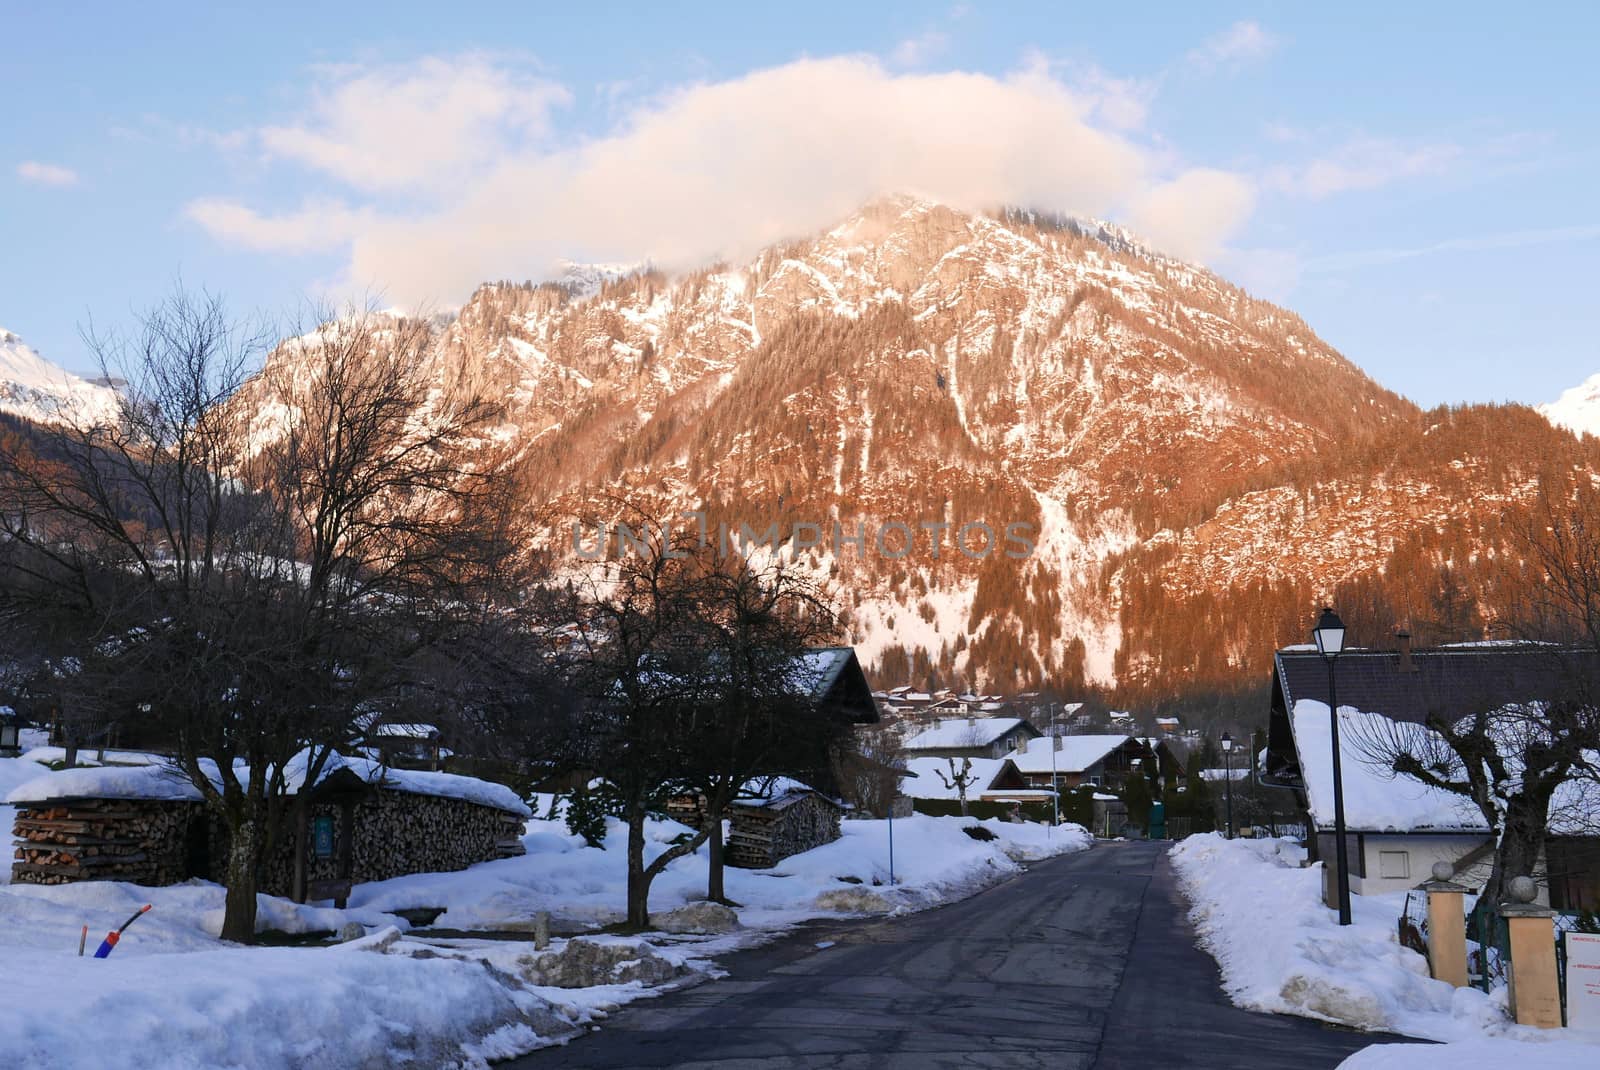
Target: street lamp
[
  {"x": 1329, "y": 634},
  {"x": 1055, "y": 785},
  {"x": 1227, "y": 762}
]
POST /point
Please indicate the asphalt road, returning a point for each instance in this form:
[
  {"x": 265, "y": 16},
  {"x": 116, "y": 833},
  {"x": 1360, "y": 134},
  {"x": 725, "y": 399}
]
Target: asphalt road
[{"x": 1085, "y": 961}]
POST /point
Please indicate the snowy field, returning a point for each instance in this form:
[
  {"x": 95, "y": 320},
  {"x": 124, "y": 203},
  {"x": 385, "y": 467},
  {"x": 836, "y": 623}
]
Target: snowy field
[
  {"x": 174, "y": 996},
  {"x": 1280, "y": 950}
]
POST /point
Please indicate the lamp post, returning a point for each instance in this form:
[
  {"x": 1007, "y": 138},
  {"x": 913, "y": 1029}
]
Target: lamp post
[
  {"x": 1055, "y": 784},
  {"x": 1227, "y": 774},
  {"x": 1329, "y": 634}
]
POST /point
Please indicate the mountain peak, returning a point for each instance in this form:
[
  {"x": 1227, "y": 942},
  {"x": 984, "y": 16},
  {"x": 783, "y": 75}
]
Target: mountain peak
[
  {"x": 1578, "y": 409},
  {"x": 35, "y": 389}
]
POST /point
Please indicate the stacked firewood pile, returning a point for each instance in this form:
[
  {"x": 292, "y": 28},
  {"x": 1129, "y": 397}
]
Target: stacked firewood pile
[
  {"x": 764, "y": 833},
  {"x": 100, "y": 839},
  {"x": 148, "y": 841},
  {"x": 397, "y": 833}
]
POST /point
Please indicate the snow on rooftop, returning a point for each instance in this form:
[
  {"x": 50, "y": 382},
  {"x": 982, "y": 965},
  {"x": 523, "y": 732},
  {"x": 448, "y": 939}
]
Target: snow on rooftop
[
  {"x": 929, "y": 784},
  {"x": 1378, "y": 800},
  {"x": 1077, "y": 753},
  {"x": 962, "y": 732},
  {"x": 408, "y": 731},
  {"x": 164, "y": 782}
]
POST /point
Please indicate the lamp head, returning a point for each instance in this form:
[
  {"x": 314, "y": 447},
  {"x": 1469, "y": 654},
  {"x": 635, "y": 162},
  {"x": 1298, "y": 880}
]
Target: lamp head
[
  {"x": 1227, "y": 742},
  {"x": 1329, "y": 634}
]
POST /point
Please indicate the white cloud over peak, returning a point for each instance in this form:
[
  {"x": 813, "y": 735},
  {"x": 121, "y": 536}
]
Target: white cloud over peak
[
  {"x": 710, "y": 170},
  {"x": 426, "y": 124},
  {"x": 46, "y": 174}
]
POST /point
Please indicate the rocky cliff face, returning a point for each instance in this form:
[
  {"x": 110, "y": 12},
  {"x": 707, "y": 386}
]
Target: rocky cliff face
[{"x": 1193, "y": 468}]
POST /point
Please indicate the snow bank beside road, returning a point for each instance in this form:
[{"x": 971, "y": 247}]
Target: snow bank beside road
[
  {"x": 1280, "y": 950},
  {"x": 934, "y": 862},
  {"x": 1485, "y": 1054},
  {"x": 257, "y": 1007}
]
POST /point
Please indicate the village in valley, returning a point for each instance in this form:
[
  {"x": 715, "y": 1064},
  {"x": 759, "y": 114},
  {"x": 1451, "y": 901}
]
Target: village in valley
[
  {"x": 718, "y": 537},
  {"x": 507, "y": 910}
]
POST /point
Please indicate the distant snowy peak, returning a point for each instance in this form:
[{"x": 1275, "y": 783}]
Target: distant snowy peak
[
  {"x": 1578, "y": 410},
  {"x": 586, "y": 280},
  {"x": 35, "y": 389}
]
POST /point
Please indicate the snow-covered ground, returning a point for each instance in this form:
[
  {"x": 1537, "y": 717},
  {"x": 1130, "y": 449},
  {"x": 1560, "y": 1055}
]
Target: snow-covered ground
[
  {"x": 173, "y": 995},
  {"x": 1261, "y": 916}
]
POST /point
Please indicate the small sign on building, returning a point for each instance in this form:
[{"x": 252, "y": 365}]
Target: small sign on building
[
  {"x": 322, "y": 836},
  {"x": 1583, "y": 980}
]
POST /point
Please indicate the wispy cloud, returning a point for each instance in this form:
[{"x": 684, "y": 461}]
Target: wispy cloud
[
  {"x": 1243, "y": 42},
  {"x": 1363, "y": 163},
  {"x": 1509, "y": 239},
  {"x": 46, "y": 174},
  {"x": 919, "y": 50},
  {"x": 710, "y": 170}
]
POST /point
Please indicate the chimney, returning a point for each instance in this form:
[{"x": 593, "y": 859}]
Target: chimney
[{"x": 1403, "y": 637}]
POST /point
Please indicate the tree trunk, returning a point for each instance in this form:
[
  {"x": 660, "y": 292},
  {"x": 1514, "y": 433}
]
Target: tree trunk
[
  {"x": 239, "y": 908},
  {"x": 714, "y": 888},
  {"x": 638, "y": 879},
  {"x": 1521, "y": 843},
  {"x": 302, "y": 820}
]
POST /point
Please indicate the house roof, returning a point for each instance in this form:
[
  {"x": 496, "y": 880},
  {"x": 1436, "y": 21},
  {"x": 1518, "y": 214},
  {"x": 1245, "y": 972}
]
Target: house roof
[
  {"x": 405, "y": 731},
  {"x": 779, "y": 793},
  {"x": 928, "y": 784},
  {"x": 1452, "y": 681},
  {"x": 836, "y": 681},
  {"x": 958, "y": 732},
  {"x": 1378, "y": 800},
  {"x": 163, "y": 782},
  {"x": 1077, "y": 753}
]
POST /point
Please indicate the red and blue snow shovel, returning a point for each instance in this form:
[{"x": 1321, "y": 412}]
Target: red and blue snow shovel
[{"x": 116, "y": 934}]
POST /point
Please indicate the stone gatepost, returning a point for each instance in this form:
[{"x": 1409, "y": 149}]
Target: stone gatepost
[
  {"x": 1535, "y": 992},
  {"x": 1447, "y": 927}
]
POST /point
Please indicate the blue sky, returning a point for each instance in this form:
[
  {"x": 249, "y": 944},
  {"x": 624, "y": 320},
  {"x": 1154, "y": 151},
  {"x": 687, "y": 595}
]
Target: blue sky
[{"x": 1417, "y": 181}]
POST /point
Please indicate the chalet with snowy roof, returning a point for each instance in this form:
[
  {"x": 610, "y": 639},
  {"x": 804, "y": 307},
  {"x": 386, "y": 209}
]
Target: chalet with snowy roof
[
  {"x": 833, "y": 678},
  {"x": 406, "y": 746},
  {"x": 1075, "y": 761},
  {"x": 1171, "y": 760},
  {"x": 970, "y": 737},
  {"x": 991, "y": 780},
  {"x": 1397, "y": 827},
  {"x": 148, "y": 824}
]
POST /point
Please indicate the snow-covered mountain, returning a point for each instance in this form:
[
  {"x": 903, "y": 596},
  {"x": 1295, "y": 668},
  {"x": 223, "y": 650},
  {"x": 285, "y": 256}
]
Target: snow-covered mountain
[
  {"x": 1578, "y": 409},
  {"x": 1198, "y": 470},
  {"x": 35, "y": 389}
]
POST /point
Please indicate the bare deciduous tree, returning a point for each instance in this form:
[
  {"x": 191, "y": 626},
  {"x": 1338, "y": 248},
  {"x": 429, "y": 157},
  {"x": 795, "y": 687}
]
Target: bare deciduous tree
[{"x": 248, "y": 562}]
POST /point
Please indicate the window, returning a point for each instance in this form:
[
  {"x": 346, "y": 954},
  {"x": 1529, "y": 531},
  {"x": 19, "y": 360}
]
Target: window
[{"x": 1394, "y": 864}]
